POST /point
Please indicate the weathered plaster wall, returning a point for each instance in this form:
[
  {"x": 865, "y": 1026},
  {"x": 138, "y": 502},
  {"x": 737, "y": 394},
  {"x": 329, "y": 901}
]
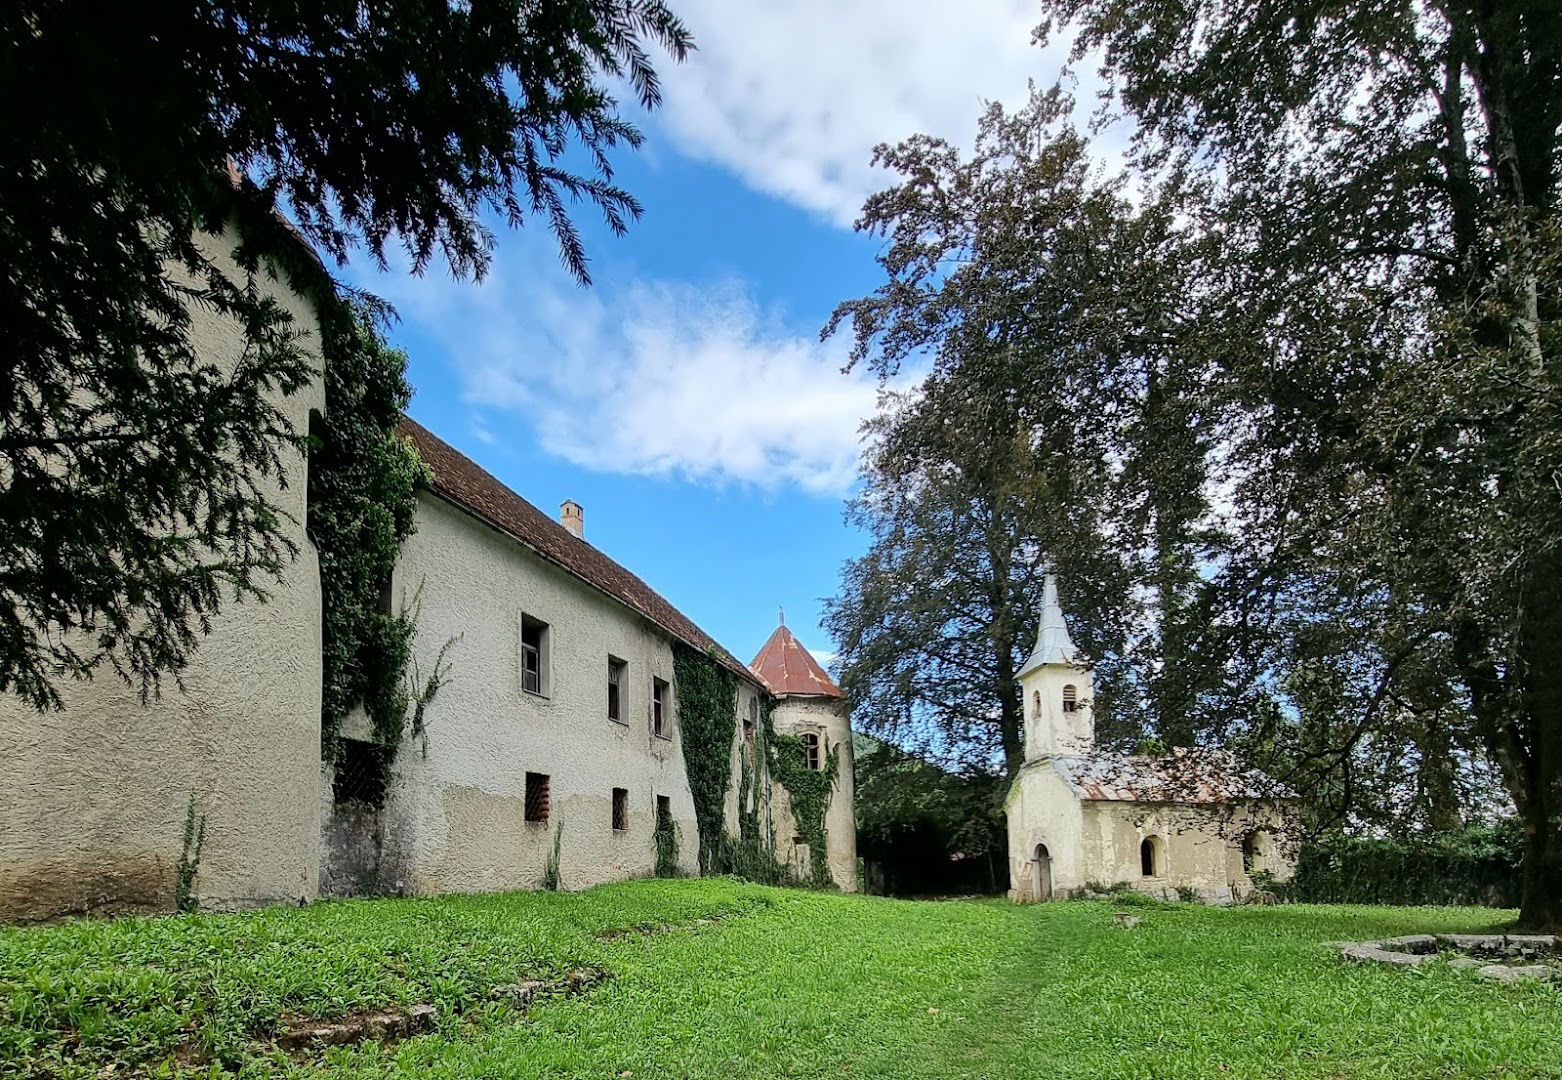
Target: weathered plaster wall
[
  {"x": 93, "y": 798},
  {"x": 1041, "y": 809},
  {"x": 455, "y": 816},
  {"x": 1202, "y": 846},
  {"x": 828, "y": 718}
]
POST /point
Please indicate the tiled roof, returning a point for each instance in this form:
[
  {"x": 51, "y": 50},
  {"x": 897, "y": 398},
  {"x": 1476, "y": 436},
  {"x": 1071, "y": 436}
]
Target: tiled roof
[
  {"x": 1184, "y": 775},
  {"x": 788, "y": 668},
  {"x": 462, "y": 482}
]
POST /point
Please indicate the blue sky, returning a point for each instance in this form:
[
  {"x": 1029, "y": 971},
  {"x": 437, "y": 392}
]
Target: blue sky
[{"x": 684, "y": 399}]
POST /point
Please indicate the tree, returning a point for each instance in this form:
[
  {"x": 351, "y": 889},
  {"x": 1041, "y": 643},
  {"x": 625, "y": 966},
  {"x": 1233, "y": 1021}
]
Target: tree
[
  {"x": 142, "y": 182},
  {"x": 1388, "y": 180},
  {"x": 934, "y": 621},
  {"x": 1063, "y": 420}
]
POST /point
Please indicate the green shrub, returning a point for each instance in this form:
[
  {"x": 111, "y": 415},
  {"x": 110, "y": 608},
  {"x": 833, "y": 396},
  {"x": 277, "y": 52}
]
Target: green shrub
[{"x": 1477, "y": 865}]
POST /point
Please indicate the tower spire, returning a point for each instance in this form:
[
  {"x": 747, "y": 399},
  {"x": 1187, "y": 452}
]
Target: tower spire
[{"x": 1053, "y": 644}]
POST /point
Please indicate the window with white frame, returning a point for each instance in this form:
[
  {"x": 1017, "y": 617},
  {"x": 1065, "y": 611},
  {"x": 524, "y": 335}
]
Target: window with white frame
[{"x": 535, "y": 642}]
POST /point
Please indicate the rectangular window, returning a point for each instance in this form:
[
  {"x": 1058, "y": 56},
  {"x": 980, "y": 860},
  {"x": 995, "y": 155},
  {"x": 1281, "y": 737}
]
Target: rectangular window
[
  {"x": 534, "y": 656},
  {"x": 751, "y": 724},
  {"x": 536, "y": 796},
  {"x": 664, "y": 811},
  {"x": 360, "y": 774},
  {"x": 620, "y": 809},
  {"x": 617, "y": 680},
  {"x": 811, "y": 750},
  {"x": 659, "y": 706}
]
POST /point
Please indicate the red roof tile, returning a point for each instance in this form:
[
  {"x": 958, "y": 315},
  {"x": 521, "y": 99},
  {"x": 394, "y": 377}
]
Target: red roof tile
[
  {"x": 788, "y": 668},
  {"x": 460, "y": 481}
]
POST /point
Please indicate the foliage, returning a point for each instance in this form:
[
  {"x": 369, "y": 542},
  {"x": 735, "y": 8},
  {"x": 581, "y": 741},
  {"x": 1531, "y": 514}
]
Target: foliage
[
  {"x": 752, "y": 853},
  {"x": 1062, "y": 424},
  {"x": 142, "y": 186},
  {"x": 869, "y": 986},
  {"x": 665, "y": 841},
  {"x": 1478, "y": 865},
  {"x": 707, "y": 696},
  {"x": 927, "y": 830},
  {"x": 189, "y": 862},
  {"x": 1388, "y": 183},
  {"x": 809, "y": 792},
  {"x": 363, "y": 481}
]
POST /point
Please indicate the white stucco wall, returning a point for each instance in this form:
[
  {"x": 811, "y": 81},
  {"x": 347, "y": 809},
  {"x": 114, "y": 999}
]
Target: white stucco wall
[
  {"x": 1041, "y": 809},
  {"x": 454, "y": 820},
  {"x": 93, "y": 798},
  {"x": 828, "y": 718}
]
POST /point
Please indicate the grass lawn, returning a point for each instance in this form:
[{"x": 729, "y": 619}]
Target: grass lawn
[{"x": 772, "y": 983}]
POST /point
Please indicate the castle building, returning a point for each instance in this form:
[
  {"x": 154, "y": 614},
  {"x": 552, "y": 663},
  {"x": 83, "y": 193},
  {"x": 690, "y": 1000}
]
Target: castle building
[
  {"x": 1192, "y": 821},
  {"x": 554, "y": 751}
]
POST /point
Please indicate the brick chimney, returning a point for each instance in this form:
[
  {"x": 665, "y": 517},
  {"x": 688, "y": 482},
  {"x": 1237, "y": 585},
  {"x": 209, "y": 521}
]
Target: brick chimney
[{"x": 573, "y": 517}]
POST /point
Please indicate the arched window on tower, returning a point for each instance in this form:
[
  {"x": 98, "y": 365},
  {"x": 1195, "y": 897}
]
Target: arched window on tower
[
  {"x": 811, "y": 750},
  {"x": 1036, "y": 704},
  {"x": 1070, "y": 698}
]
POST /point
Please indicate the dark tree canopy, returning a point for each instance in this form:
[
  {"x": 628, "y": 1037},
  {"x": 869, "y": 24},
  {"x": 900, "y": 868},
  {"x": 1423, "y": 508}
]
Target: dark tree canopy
[
  {"x": 141, "y": 180},
  {"x": 1388, "y": 179}
]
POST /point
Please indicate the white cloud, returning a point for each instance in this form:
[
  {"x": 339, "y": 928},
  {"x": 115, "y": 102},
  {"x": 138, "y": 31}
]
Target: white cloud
[
  {"x": 793, "y": 96},
  {"x": 658, "y": 378}
]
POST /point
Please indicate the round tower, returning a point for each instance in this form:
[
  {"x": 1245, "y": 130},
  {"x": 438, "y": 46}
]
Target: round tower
[
  {"x": 1057, "y": 685},
  {"x": 808, "y": 704}
]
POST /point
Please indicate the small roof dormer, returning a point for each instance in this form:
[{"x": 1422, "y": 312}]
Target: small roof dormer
[
  {"x": 1053, "y": 645},
  {"x": 789, "y": 669}
]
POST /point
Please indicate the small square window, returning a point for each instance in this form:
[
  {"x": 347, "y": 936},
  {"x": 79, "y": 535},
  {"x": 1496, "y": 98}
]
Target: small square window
[
  {"x": 537, "y": 796},
  {"x": 811, "y": 750},
  {"x": 534, "y": 656},
  {"x": 620, "y": 809},
  {"x": 360, "y": 774},
  {"x": 617, "y": 682},
  {"x": 659, "y": 706}
]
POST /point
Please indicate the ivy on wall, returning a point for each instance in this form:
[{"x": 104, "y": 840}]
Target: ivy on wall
[
  {"x": 707, "y": 697},
  {"x": 809, "y": 790},
  {"x": 363, "y": 481},
  {"x": 707, "y": 694}
]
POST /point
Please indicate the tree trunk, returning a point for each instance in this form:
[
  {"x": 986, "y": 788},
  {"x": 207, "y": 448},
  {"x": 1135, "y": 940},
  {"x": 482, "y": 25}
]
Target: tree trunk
[{"x": 1540, "y": 645}]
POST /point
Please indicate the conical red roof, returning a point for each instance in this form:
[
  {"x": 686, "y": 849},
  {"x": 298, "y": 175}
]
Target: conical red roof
[{"x": 788, "y": 668}]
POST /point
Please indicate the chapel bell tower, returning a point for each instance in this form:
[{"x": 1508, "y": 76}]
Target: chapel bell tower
[{"x": 1058, "y": 687}]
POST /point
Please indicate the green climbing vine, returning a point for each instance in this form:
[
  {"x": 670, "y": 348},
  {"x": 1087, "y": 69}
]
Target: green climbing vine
[
  {"x": 363, "y": 480},
  {"x": 809, "y": 790},
  {"x": 707, "y": 697}
]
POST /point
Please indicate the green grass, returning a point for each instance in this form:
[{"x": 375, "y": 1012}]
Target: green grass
[{"x": 786, "y": 984}]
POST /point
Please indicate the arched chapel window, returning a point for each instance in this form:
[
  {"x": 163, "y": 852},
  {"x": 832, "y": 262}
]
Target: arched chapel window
[
  {"x": 1036, "y": 703},
  {"x": 1070, "y": 698},
  {"x": 1151, "y": 858},
  {"x": 1252, "y": 853}
]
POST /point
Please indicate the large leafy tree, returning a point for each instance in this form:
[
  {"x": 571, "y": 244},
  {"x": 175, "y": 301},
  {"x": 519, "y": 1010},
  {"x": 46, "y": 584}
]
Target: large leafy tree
[
  {"x": 140, "y": 182},
  {"x": 1388, "y": 175},
  {"x": 1063, "y": 422}
]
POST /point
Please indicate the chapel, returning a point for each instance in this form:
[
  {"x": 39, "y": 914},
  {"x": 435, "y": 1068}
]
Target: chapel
[{"x": 1192, "y": 822}]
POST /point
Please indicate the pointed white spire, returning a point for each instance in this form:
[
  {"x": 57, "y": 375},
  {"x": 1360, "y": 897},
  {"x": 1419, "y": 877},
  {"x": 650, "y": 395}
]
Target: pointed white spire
[{"x": 1053, "y": 645}]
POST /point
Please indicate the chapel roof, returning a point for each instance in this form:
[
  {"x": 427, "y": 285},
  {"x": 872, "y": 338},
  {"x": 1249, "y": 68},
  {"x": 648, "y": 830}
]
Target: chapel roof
[
  {"x": 788, "y": 668},
  {"x": 460, "y": 481},
  {"x": 1053, "y": 645},
  {"x": 1182, "y": 775}
]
